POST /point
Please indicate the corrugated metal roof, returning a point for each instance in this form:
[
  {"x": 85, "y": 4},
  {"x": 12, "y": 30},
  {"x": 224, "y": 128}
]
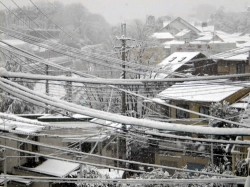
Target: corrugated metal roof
[{"x": 202, "y": 91}]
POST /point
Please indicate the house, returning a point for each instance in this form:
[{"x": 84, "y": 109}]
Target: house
[
  {"x": 239, "y": 38},
  {"x": 175, "y": 158},
  {"x": 17, "y": 127},
  {"x": 198, "y": 96},
  {"x": 78, "y": 132},
  {"x": 179, "y": 24},
  {"x": 185, "y": 35},
  {"x": 234, "y": 61},
  {"x": 184, "y": 62},
  {"x": 209, "y": 37},
  {"x": 181, "y": 29},
  {"x": 90, "y": 135},
  {"x": 208, "y": 49}
]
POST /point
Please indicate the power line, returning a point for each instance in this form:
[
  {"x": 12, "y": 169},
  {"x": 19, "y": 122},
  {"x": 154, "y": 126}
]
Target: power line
[
  {"x": 76, "y": 53},
  {"x": 40, "y": 99},
  {"x": 29, "y": 18},
  {"x": 68, "y": 160},
  {"x": 50, "y": 19},
  {"x": 136, "y": 82},
  {"x": 137, "y": 95},
  {"x": 180, "y": 108},
  {"x": 99, "y": 156},
  {"x": 19, "y": 18}
]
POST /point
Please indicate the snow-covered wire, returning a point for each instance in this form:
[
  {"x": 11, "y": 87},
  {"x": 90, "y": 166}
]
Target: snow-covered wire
[
  {"x": 42, "y": 100},
  {"x": 98, "y": 156}
]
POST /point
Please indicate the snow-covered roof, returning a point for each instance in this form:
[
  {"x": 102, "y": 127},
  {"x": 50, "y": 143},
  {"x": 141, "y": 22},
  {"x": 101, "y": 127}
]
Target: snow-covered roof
[
  {"x": 208, "y": 28},
  {"x": 182, "y": 33},
  {"x": 55, "y": 168},
  {"x": 91, "y": 130},
  {"x": 202, "y": 91},
  {"x": 10, "y": 125},
  {"x": 197, "y": 42},
  {"x": 173, "y": 42},
  {"x": 163, "y": 35},
  {"x": 207, "y": 37},
  {"x": 239, "y": 105},
  {"x": 14, "y": 42},
  {"x": 184, "y": 22},
  {"x": 174, "y": 62},
  {"x": 242, "y": 103},
  {"x": 165, "y": 23},
  {"x": 238, "y": 57},
  {"x": 236, "y": 37},
  {"x": 80, "y": 116},
  {"x": 177, "y": 59},
  {"x": 233, "y": 55},
  {"x": 247, "y": 44},
  {"x": 15, "y": 179}
]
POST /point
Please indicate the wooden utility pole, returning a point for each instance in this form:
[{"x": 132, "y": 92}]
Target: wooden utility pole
[
  {"x": 47, "y": 82},
  {"x": 47, "y": 85},
  {"x": 69, "y": 88},
  {"x": 123, "y": 39},
  {"x": 122, "y": 145}
]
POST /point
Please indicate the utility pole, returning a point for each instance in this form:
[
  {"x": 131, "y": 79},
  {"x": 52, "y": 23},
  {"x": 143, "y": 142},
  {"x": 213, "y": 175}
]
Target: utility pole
[
  {"x": 122, "y": 143},
  {"x": 47, "y": 86},
  {"x": 69, "y": 88},
  {"x": 123, "y": 48},
  {"x": 123, "y": 39},
  {"x": 47, "y": 82}
]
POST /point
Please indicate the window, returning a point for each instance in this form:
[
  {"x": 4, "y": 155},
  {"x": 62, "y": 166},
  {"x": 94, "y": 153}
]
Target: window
[
  {"x": 180, "y": 114},
  {"x": 204, "y": 110}
]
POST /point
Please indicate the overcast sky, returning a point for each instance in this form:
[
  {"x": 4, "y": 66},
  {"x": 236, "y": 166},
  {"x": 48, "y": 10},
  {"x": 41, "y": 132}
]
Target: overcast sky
[{"x": 116, "y": 11}]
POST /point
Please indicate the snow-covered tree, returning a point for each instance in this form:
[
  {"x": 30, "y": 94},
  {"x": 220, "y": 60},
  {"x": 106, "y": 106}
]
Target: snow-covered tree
[
  {"x": 161, "y": 174},
  {"x": 11, "y": 104},
  {"x": 223, "y": 110}
]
